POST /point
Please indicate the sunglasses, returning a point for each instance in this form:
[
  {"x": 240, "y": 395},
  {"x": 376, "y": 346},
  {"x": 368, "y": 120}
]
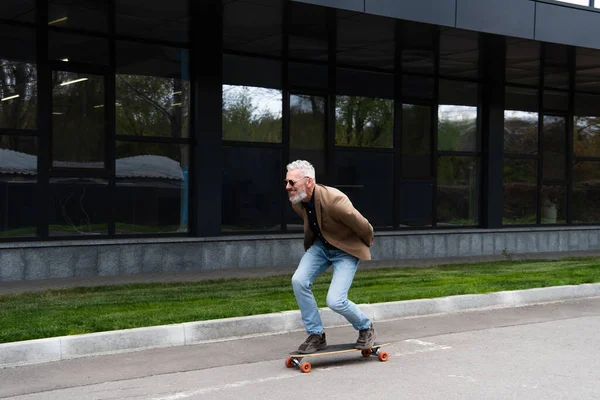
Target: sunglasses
[{"x": 292, "y": 182}]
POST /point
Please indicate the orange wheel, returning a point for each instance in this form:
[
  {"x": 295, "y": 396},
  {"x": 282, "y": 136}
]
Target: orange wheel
[
  {"x": 288, "y": 362},
  {"x": 305, "y": 367},
  {"x": 383, "y": 356},
  {"x": 366, "y": 352}
]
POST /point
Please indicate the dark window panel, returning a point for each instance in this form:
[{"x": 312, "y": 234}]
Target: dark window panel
[
  {"x": 18, "y": 10},
  {"x": 363, "y": 83},
  {"x": 252, "y": 191},
  {"x": 556, "y": 66},
  {"x": 252, "y": 114},
  {"x": 459, "y": 53},
  {"x": 360, "y": 175},
  {"x": 78, "y": 121},
  {"x": 417, "y": 88},
  {"x": 521, "y": 121},
  {"x": 586, "y": 132},
  {"x": 521, "y": 99},
  {"x": 555, "y": 100},
  {"x": 458, "y": 191},
  {"x": 253, "y": 27},
  {"x": 520, "y": 191},
  {"x": 18, "y": 95},
  {"x": 153, "y": 91},
  {"x": 365, "y": 40},
  {"x": 18, "y": 191},
  {"x": 308, "y": 36},
  {"x": 251, "y": 71},
  {"x": 587, "y": 72},
  {"x": 586, "y": 191},
  {"x": 416, "y": 141},
  {"x": 78, "y": 207},
  {"x": 522, "y": 61},
  {"x": 416, "y": 202},
  {"x": 364, "y": 122},
  {"x": 554, "y": 204},
  {"x": 554, "y": 145},
  {"x": 77, "y": 48},
  {"x": 91, "y": 15},
  {"x": 153, "y": 20},
  {"x": 151, "y": 187},
  {"x": 308, "y": 76}
]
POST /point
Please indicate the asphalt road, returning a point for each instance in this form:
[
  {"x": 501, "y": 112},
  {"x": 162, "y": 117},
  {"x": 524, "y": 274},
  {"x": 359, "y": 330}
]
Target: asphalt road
[{"x": 548, "y": 351}]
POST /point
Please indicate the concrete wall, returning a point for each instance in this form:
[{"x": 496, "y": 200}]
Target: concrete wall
[
  {"x": 28, "y": 261},
  {"x": 540, "y": 20}
]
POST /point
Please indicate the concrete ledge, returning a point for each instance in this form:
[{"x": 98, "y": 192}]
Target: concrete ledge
[{"x": 68, "y": 347}]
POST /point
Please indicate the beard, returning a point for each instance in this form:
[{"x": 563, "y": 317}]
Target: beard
[{"x": 300, "y": 195}]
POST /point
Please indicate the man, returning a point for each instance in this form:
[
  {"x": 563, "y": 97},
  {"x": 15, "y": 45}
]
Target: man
[{"x": 334, "y": 233}]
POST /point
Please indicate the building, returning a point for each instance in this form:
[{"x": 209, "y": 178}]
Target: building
[{"x": 149, "y": 136}]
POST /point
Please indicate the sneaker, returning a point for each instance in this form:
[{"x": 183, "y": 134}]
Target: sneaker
[
  {"x": 313, "y": 343},
  {"x": 366, "y": 338}
]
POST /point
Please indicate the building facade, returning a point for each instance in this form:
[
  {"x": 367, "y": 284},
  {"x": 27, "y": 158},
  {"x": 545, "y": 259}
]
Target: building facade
[{"x": 150, "y": 136}]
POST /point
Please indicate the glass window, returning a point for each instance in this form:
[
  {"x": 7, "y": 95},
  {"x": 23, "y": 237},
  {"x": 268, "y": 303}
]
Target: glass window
[
  {"x": 252, "y": 114},
  {"x": 308, "y": 76},
  {"x": 307, "y": 130},
  {"x": 554, "y": 204},
  {"x": 586, "y": 191},
  {"x": 521, "y": 121},
  {"x": 251, "y": 71},
  {"x": 555, "y": 100},
  {"x": 459, "y": 53},
  {"x": 90, "y": 15},
  {"x": 365, "y": 40},
  {"x": 153, "y": 20},
  {"x": 587, "y": 71},
  {"x": 18, "y": 10},
  {"x": 556, "y": 66},
  {"x": 308, "y": 36},
  {"x": 364, "y": 122},
  {"x": 416, "y": 141},
  {"x": 68, "y": 47},
  {"x": 359, "y": 175},
  {"x": 457, "y": 117},
  {"x": 78, "y": 207},
  {"x": 18, "y": 191},
  {"x": 520, "y": 191},
  {"x": 416, "y": 204},
  {"x": 151, "y": 187},
  {"x": 417, "y": 88},
  {"x": 554, "y": 145},
  {"x": 418, "y": 47},
  {"x": 153, "y": 91},
  {"x": 458, "y": 191},
  {"x": 18, "y": 95},
  {"x": 78, "y": 121},
  {"x": 253, "y": 27},
  {"x": 586, "y": 132},
  {"x": 252, "y": 191},
  {"x": 522, "y": 61}
]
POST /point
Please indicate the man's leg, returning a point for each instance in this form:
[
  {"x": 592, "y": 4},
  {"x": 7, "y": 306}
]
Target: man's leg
[
  {"x": 313, "y": 263},
  {"x": 344, "y": 268}
]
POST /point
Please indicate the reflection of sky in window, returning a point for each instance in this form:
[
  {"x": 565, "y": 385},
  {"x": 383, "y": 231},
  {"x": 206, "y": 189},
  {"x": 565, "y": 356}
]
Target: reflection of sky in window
[
  {"x": 262, "y": 99},
  {"x": 456, "y": 113},
  {"x": 521, "y": 115},
  {"x": 577, "y": 2}
]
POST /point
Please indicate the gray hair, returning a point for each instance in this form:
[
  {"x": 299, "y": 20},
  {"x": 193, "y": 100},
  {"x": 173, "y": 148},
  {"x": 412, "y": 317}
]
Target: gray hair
[{"x": 304, "y": 166}]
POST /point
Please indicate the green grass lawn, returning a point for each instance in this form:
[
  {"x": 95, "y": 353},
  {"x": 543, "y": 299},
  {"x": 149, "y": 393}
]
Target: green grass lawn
[{"x": 94, "y": 309}]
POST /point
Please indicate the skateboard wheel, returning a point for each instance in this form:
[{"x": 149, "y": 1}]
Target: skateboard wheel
[
  {"x": 288, "y": 362},
  {"x": 305, "y": 367},
  {"x": 383, "y": 356},
  {"x": 366, "y": 352}
]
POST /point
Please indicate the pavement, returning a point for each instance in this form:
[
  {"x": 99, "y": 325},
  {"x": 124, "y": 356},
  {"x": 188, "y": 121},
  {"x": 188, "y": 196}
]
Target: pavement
[{"x": 194, "y": 333}]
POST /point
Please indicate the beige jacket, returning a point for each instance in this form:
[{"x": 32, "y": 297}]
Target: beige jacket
[{"x": 341, "y": 224}]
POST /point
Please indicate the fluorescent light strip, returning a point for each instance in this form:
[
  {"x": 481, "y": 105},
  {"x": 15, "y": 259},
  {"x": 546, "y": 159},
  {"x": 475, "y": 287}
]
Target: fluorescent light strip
[
  {"x": 179, "y": 92},
  {"x": 99, "y": 106},
  {"x": 176, "y": 105},
  {"x": 75, "y": 81},
  {"x": 64, "y": 59},
  {"x": 56, "y": 21},
  {"x": 11, "y": 97}
]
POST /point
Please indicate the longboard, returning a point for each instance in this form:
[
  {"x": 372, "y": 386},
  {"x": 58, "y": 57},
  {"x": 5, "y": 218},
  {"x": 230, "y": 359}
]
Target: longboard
[{"x": 295, "y": 359}]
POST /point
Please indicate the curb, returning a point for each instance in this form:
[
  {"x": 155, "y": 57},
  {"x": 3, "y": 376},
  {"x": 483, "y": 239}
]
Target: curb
[{"x": 102, "y": 343}]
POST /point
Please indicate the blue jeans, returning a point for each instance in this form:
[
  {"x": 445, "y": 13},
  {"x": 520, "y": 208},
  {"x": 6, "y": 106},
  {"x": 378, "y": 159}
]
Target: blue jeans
[{"x": 314, "y": 262}]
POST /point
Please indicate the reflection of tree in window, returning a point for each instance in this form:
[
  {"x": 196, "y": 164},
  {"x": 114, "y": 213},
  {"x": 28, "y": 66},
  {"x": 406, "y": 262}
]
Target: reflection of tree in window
[
  {"x": 251, "y": 114},
  {"x": 18, "y": 91},
  {"x": 364, "y": 122},
  {"x": 457, "y": 128}
]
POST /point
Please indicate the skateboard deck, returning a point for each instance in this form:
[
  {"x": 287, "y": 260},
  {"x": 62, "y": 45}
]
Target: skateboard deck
[{"x": 295, "y": 359}]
